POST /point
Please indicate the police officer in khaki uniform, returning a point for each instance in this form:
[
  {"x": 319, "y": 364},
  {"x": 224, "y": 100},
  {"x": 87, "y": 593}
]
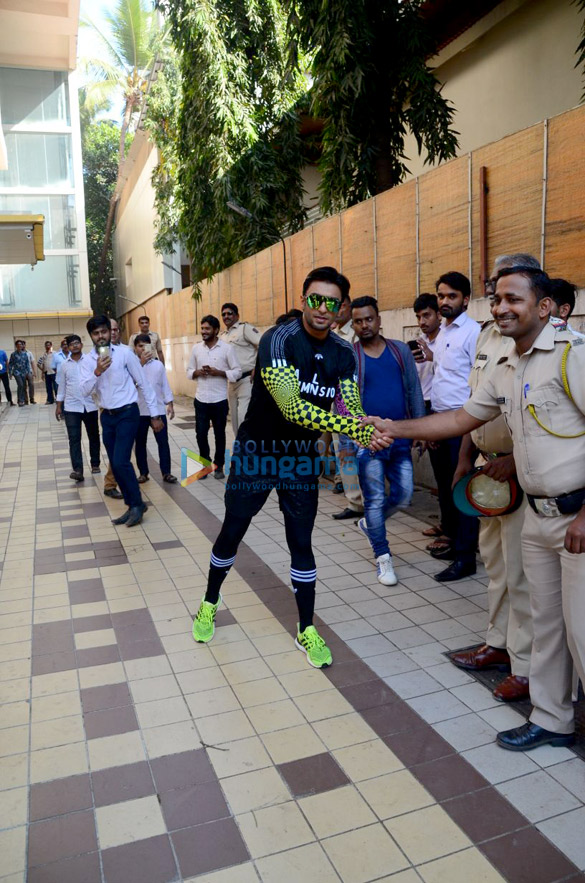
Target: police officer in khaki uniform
[
  {"x": 245, "y": 339},
  {"x": 540, "y": 389},
  {"x": 508, "y": 640}
]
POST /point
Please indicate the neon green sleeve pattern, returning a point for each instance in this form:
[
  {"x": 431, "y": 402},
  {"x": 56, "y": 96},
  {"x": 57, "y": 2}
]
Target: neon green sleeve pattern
[
  {"x": 283, "y": 385},
  {"x": 349, "y": 392}
]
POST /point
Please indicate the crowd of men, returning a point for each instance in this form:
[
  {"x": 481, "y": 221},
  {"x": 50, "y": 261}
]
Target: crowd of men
[{"x": 504, "y": 400}]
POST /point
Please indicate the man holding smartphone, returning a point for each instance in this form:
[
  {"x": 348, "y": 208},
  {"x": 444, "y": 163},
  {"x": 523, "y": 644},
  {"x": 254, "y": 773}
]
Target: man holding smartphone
[
  {"x": 114, "y": 373},
  {"x": 212, "y": 364}
]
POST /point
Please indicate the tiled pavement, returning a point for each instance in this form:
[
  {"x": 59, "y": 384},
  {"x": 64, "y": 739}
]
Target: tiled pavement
[{"x": 129, "y": 754}]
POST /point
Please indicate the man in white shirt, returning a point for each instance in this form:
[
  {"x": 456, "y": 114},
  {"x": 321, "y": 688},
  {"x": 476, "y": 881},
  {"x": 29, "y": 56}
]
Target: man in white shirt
[
  {"x": 48, "y": 371},
  {"x": 144, "y": 325},
  {"x": 114, "y": 373},
  {"x": 426, "y": 310},
  {"x": 212, "y": 364},
  {"x": 77, "y": 409},
  {"x": 453, "y": 356},
  {"x": 155, "y": 373},
  {"x": 110, "y": 487}
]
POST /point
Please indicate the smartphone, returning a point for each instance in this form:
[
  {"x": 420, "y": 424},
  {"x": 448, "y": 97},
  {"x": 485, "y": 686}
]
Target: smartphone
[
  {"x": 103, "y": 350},
  {"x": 415, "y": 349}
]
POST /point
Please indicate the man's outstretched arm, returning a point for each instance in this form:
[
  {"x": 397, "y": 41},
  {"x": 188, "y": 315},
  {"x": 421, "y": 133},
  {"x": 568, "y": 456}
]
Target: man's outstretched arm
[
  {"x": 283, "y": 385},
  {"x": 435, "y": 427}
]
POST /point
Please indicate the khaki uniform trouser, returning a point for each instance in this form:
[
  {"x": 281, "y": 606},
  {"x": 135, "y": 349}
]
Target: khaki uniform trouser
[
  {"x": 510, "y": 618},
  {"x": 348, "y": 475},
  {"x": 239, "y": 394},
  {"x": 109, "y": 481},
  {"x": 557, "y": 597}
]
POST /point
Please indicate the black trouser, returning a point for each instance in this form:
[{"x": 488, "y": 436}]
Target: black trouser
[
  {"x": 73, "y": 421},
  {"x": 162, "y": 440},
  {"x": 21, "y": 389},
  {"x": 119, "y": 434},
  {"x": 51, "y": 386},
  {"x": 216, "y": 414},
  {"x": 463, "y": 530},
  {"x": 6, "y": 381}
]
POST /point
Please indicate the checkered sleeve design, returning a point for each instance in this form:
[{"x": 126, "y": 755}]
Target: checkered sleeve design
[
  {"x": 283, "y": 386},
  {"x": 350, "y": 396}
]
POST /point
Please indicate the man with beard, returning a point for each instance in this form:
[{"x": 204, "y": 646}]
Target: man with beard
[
  {"x": 453, "y": 357},
  {"x": 110, "y": 486},
  {"x": 539, "y": 388},
  {"x": 300, "y": 366}
]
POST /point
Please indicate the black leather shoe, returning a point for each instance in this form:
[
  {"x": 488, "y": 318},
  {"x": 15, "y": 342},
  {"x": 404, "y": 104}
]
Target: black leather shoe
[
  {"x": 458, "y": 570},
  {"x": 114, "y": 493},
  {"x": 135, "y": 515},
  {"x": 530, "y": 736},
  {"x": 338, "y": 488},
  {"x": 123, "y": 518},
  {"x": 346, "y": 513}
]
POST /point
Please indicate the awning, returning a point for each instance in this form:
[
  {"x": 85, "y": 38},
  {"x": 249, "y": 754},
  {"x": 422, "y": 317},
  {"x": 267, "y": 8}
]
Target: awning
[{"x": 21, "y": 239}]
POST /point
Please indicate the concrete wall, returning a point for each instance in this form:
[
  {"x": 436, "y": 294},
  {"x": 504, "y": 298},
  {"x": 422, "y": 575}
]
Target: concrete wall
[{"x": 513, "y": 68}]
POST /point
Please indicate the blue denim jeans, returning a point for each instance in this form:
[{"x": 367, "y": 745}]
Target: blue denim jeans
[{"x": 395, "y": 466}]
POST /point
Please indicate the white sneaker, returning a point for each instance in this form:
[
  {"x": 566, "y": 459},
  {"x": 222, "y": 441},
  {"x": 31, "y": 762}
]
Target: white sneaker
[{"x": 386, "y": 574}]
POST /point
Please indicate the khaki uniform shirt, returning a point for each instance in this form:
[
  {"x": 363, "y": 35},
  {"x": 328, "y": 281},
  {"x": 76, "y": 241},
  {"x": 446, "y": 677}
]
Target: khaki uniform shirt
[
  {"x": 154, "y": 340},
  {"x": 346, "y": 332},
  {"x": 547, "y": 466},
  {"x": 245, "y": 339},
  {"x": 493, "y": 437}
]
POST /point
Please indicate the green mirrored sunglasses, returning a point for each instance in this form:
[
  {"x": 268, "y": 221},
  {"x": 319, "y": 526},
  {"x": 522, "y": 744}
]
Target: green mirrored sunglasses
[{"x": 314, "y": 301}]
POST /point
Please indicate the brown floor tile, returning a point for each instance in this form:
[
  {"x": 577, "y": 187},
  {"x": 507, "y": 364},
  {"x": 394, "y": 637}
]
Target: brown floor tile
[
  {"x": 80, "y": 565},
  {"x": 312, "y": 775},
  {"x": 61, "y": 837},
  {"x": 225, "y": 617},
  {"x": 527, "y": 857},
  {"x": 75, "y": 531},
  {"x": 121, "y": 783},
  {"x": 81, "y": 869},
  {"x": 110, "y": 722},
  {"x": 449, "y": 777},
  {"x": 97, "y": 656},
  {"x": 43, "y": 569},
  {"x": 142, "y": 649},
  {"x": 427, "y": 746},
  {"x": 131, "y": 617},
  {"x": 168, "y": 544},
  {"x": 144, "y": 861},
  {"x": 92, "y": 623},
  {"x": 52, "y": 637},
  {"x": 182, "y": 770},
  {"x": 349, "y": 673},
  {"x": 209, "y": 847},
  {"x": 110, "y": 561},
  {"x": 94, "y": 510},
  {"x": 484, "y": 814},
  {"x": 140, "y": 631},
  {"x": 81, "y": 596},
  {"x": 396, "y": 718},
  {"x": 60, "y": 796},
  {"x": 368, "y": 695},
  {"x": 111, "y": 696},
  {"x": 185, "y": 807},
  {"x": 53, "y": 662}
]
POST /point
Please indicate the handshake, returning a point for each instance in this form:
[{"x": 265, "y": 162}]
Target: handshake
[{"x": 383, "y": 436}]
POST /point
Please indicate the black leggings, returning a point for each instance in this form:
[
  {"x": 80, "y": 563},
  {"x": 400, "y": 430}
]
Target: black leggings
[{"x": 303, "y": 572}]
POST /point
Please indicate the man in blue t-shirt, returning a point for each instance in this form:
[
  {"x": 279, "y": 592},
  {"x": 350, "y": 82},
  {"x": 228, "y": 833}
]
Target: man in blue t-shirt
[
  {"x": 4, "y": 376},
  {"x": 389, "y": 385}
]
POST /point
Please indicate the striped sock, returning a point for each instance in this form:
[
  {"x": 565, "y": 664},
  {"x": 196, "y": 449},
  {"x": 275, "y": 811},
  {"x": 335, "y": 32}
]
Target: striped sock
[
  {"x": 218, "y": 570},
  {"x": 303, "y": 583}
]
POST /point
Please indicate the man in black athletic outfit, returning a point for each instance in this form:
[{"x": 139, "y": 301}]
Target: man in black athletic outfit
[{"x": 299, "y": 369}]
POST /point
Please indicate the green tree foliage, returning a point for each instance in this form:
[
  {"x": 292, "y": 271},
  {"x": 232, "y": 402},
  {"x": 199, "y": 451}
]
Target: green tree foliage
[
  {"x": 371, "y": 87},
  {"x": 120, "y": 68},
  {"x": 100, "y": 145},
  {"x": 237, "y": 129}
]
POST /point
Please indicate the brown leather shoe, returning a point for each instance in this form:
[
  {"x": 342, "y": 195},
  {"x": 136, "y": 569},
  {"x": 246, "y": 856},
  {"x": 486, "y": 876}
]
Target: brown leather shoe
[
  {"x": 480, "y": 658},
  {"x": 512, "y": 689}
]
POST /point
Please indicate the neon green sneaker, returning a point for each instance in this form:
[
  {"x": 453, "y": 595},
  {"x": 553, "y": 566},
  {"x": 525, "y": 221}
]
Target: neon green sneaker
[
  {"x": 204, "y": 622},
  {"x": 311, "y": 642}
]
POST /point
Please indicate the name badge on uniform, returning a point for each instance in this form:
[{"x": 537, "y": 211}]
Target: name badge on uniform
[
  {"x": 501, "y": 400},
  {"x": 482, "y": 356}
]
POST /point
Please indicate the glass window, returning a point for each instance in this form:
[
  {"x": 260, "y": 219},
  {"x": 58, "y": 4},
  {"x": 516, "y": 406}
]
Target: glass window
[
  {"x": 29, "y": 96},
  {"x": 37, "y": 160},
  {"x": 53, "y": 284},
  {"x": 59, "y": 212}
]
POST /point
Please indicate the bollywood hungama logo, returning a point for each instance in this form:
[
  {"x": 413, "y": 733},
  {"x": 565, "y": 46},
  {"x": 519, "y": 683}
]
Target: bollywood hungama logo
[{"x": 189, "y": 463}]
